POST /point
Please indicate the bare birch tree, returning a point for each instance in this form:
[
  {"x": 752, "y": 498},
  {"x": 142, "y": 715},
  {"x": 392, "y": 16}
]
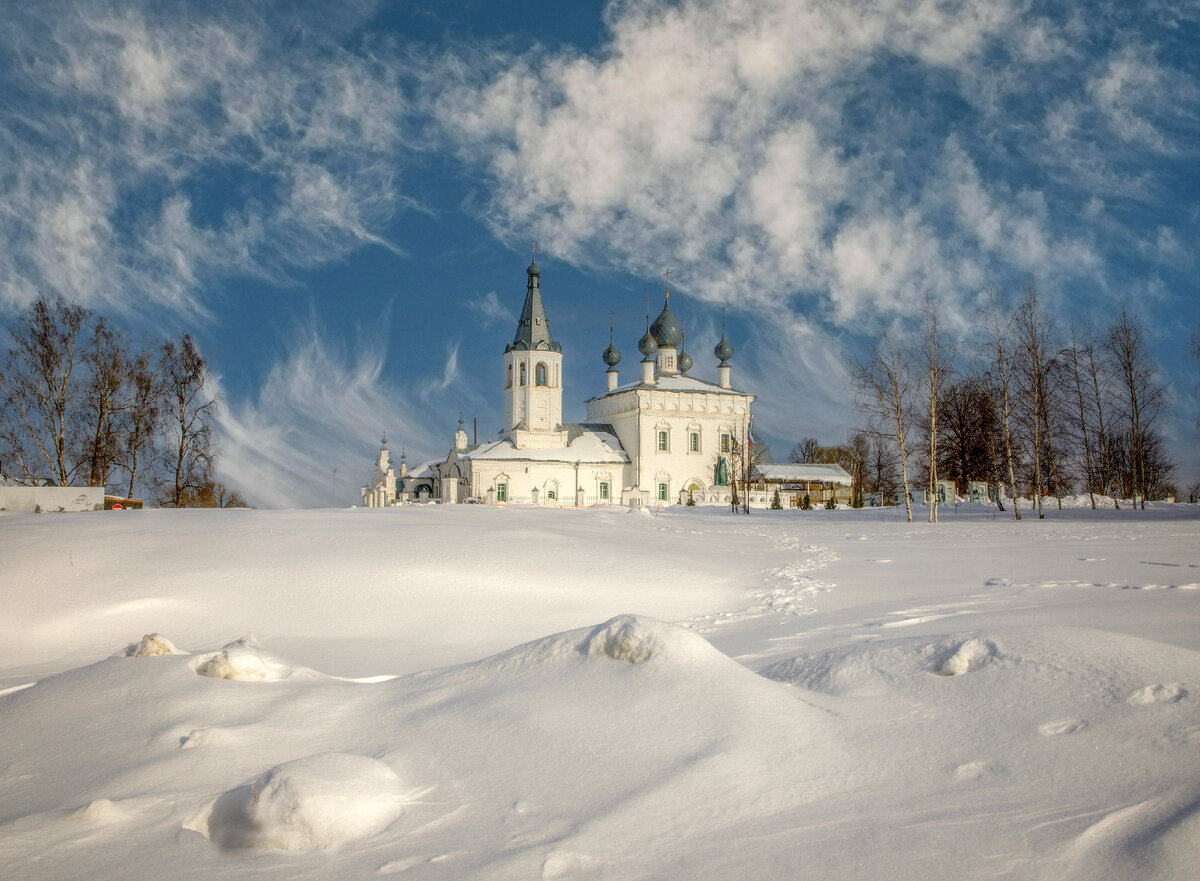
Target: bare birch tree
[
  {"x": 938, "y": 357},
  {"x": 1033, "y": 338},
  {"x": 885, "y": 390},
  {"x": 140, "y": 420},
  {"x": 1141, "y": 395},
  {"x": 1075, "y": 355},
  {"x": 40, "y": 389},
  {"x": 104, "y": 399},
  {"x": 188, "y": 454},
  {"x": 1001, "y": 357}
]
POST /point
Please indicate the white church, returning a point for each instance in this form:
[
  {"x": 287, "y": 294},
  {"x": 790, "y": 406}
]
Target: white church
[{"x": 664, "y": 438}]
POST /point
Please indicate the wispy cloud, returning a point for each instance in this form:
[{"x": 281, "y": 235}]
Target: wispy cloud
[
  {"x": 322, "y": 408},
  {"x": 710, "y": 134},
  {"x": 489, "y": 310},
  {"x": 825, "y": 167},
  {"x": 152, "y": 149},
  {"x": 434, "y": 386}
]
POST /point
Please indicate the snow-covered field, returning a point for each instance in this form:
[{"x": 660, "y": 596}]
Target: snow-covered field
[{"x": 501, "y": 693}]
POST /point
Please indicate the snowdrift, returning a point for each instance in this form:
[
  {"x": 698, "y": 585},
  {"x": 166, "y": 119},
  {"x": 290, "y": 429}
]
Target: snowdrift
[
  {"x": 1026, "y": 708},
  {"x": 591, "y": 738},
  {"x": 313, "y": 803}
]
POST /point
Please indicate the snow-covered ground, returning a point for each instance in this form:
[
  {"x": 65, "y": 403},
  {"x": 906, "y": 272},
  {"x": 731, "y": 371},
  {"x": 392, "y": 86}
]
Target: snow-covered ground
[{"x": 502, "y": 693}]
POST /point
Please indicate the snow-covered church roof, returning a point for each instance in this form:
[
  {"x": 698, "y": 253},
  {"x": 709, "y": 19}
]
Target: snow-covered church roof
[
  {"x": 586, "y": 442},
  {"x": 811, "y": 472},
  {"x": 676, "y": 382}
]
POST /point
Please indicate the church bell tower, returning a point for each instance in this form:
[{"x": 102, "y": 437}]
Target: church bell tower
[{"x": 533, "y": 375}]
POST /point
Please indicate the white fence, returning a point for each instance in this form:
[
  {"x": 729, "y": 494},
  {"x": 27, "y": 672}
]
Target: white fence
[{"x": 29, "y": 499}]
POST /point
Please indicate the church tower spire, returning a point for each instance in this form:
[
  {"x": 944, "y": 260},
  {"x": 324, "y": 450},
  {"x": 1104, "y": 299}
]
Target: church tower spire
[
  {"x": 667, "y": 333},
  {"x": 533, "y": 328},
  {"x": 611, "y": 357},
  {"x": 724, "y": 351},
  {"x": 533, "y": 372}
]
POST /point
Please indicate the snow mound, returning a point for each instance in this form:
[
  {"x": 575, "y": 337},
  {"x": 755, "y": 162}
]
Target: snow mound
[
  {"x": 971, "y": 771},
  {"x": 876, "y": 669},
  {"x": 1158, "y": 694},
  {"x": 1062, "y": 727},
  {"x": 965, "y": 658},
  {"x": 242, "y": 660},
  {"x": 209, "y": 735},
  {"x": 151, "y": 645},
  {"x": 321, "y": 801},
  {"x": 100, "y": 810},
  {"x": 632, "y": 639}
]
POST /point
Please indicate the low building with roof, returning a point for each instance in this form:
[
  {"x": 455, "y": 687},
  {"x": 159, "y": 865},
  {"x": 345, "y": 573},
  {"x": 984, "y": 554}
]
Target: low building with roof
[{"x": 794, "y": 481}]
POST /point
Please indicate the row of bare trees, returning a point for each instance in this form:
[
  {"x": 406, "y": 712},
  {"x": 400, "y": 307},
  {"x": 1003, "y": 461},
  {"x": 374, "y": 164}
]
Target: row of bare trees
[
  {"x": 80, "y": 402},
  {"x": 1031, "y": 411}
]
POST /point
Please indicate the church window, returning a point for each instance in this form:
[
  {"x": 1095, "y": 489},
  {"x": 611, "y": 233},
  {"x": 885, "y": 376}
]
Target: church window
[
  {"x": 551, "y": 495},
  {"x": 662, "y": 492},
  {"x": 508, "y": 382},
  {"x": 522, "y": 374},
  {"x": 663, "y": 442},
  {"x": 501, "y": 492},
  {"x": 694, "y": 442},
  {"x": 724, "y": 442},
  {"x": 540, "y": 375},
  {"x": 604, "y": 490}
]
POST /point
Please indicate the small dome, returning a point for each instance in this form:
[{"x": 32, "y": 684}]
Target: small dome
[
  {"x": 724, "y": 351},
  {"x": 685, "y": 361},
  {"x": 612, "y": 356},
  {"x": 666, "y": 329},
  {"x": 533, "y": 270},
  {"x": 648, "y": 346}
]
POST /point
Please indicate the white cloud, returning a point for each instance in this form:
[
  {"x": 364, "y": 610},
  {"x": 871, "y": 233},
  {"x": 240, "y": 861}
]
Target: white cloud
[
  {"x": 886, "y": 264},
  {"x": 1129, "y": 92},
  {"x": 1165, "y": 247},
  {"x": 489, "y": 310},
  {"x": 323, "y": 407},
  {"x": 128, "y": 113},
  {"x": 707, "y": 136},
  {"x": 449, "y": 376}
]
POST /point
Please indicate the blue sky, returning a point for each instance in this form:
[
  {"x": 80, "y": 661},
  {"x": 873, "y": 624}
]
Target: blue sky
[{"x": 339, "y": 204}]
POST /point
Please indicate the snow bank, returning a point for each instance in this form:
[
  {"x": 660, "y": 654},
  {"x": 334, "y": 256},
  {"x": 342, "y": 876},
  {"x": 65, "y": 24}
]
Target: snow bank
[
  {"x": 100, "y": 810},
  {"x": 637, "y": 640},
  {"x": 1158, "y": 694},
  {"x": 866, "y": 671},
  {"x": 1022, "y": 706},
  {"x": 963, "y": 658},
  {"x": 313, "y": 803},
  {"x": 242, "y": 660},
  {"x": 151, "y": 645}
]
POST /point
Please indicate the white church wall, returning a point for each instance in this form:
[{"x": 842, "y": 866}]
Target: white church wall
[{"x": 638, "y": 416}]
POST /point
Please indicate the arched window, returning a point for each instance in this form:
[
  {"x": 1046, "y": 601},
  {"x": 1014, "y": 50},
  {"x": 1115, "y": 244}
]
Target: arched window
[
  {"x": 664, "y": 442},
  {"x": 693, "y": 441},
  {"x": 508, "y": 381},
  {"x": 540, "y": 374},
  {"x": 522, "y": 374}
]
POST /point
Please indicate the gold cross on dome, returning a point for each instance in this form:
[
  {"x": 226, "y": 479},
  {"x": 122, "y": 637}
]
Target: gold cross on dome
[{"x": 667, "y": 276}]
